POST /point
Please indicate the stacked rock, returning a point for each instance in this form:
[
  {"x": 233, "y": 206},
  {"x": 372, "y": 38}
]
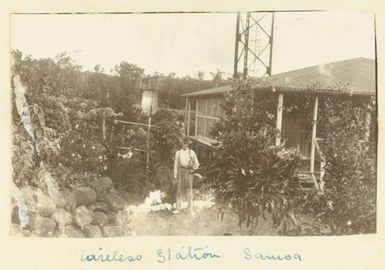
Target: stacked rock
[{"x": 95, "y": 210}]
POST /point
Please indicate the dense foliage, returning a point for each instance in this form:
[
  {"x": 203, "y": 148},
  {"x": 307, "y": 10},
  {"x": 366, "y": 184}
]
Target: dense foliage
[
  {"x": 173, "y": 87},
  {"x": 67, "y": 107},
  {"x": 23, "y": 159},
  {"x": 348, "y": 205},
  {"x": 247, "y": 171},
  {"x": 167, "y": 133},
  {"x": 65, "y": 124}
]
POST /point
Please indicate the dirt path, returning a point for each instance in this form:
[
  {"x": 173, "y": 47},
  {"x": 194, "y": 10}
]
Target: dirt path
[{"x": 206, "y": 222}]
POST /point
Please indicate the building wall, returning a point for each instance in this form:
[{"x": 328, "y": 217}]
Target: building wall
[{"x": 295, "y": 129}]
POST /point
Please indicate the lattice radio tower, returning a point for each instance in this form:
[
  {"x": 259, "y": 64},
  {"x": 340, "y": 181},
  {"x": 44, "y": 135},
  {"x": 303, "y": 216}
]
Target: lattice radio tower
[{"x": 253, "y": 44}]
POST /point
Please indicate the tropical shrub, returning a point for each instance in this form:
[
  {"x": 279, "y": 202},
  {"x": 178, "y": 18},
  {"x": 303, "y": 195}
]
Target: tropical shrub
[
  {"x": 247, "y": 171},
  {"x": 125, "y": 155},
  {"x": 348, "y": 205},
  {"x": 166, "y": 134},
  {"x": 66, "y": 128},
  {"x": 23, "y": 159}
]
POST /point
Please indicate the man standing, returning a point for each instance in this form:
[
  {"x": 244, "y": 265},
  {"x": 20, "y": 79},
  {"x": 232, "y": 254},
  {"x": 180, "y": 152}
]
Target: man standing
[{"x": 185, "y": 163}]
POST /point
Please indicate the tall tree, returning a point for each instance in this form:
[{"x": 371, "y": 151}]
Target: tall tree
[
  {"x": 217, "y": 77},
  {"x": 128, "y": 81}
]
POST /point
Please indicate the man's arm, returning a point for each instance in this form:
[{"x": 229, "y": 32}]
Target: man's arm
[{"x": 196, "y": 162}]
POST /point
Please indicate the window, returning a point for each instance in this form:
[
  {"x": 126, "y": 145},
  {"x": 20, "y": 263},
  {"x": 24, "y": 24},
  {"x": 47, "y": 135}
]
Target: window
[{"x": 208, "y": 112}]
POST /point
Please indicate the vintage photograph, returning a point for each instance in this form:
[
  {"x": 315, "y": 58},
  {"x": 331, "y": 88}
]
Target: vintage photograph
[{"x": 186, "y": 124}]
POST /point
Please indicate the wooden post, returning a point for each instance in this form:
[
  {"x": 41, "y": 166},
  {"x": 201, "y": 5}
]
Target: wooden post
[
  {"x": 279, "y": 119},
  {"x": 313, "y": 140},
  {"x": 185, "y": 117},
  {"x": 196, "y": 118},
  {"x": 322, "y": 174},
  {"x": 104, "y": 126},
  {"x": 188, "y": 117},
  {"x": 148, "y": 149}
]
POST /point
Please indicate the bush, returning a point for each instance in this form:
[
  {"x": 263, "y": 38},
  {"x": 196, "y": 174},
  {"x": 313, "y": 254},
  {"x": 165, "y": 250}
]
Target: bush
[
  {"x": 348, "y": 205},
  {"x": 247, "y": 171},
  {"x": 23, "y": 159},
  {"x": 166, "y": 135},
  {"x": 66, "y": 131}
]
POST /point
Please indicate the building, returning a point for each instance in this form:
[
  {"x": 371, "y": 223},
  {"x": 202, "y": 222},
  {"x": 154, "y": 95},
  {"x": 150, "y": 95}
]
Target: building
[{"x": 356, "y": 75}]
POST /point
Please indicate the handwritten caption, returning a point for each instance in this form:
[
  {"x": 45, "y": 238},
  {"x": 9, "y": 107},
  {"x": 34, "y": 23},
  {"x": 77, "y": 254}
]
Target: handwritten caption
[{"x": 188, "y": 253}]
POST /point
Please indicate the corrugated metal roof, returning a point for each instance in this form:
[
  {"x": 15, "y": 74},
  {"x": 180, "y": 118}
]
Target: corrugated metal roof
[{"x": 356, "y": 76}]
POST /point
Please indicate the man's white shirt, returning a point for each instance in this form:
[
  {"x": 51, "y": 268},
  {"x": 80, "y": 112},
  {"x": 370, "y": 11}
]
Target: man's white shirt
[{"x": 185, "y": 157}]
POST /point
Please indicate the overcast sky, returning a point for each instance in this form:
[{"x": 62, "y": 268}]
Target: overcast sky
[{"x": 187, "y": 43}]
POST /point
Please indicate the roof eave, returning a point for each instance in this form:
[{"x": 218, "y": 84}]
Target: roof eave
[
  {"x": 323, "y": 91},
  {"x": 291, "y": 90}
]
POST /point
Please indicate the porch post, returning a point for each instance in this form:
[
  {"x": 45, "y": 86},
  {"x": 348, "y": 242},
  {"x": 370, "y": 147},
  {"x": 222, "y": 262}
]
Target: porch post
[
  {"x": 188, "y": 116},
  {"x": 313, "y": 139},
  {"x": 185, "y": 116},
  {"x": 279, "y": 119},
  {"x": 196, "y": 118}
]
